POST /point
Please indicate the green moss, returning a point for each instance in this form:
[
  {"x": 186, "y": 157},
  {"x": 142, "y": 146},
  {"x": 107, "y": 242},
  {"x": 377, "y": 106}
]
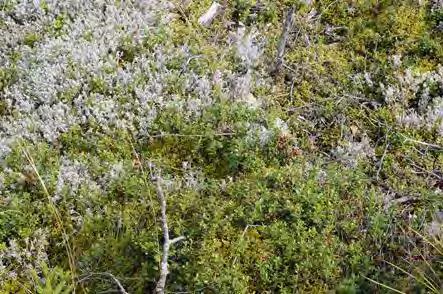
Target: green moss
[
  {"x": 98, "y": 85},
  {"x": 30, "y": 39},
  {"x": 7, "y": 77},
  {"x": 59, "y": 22}
]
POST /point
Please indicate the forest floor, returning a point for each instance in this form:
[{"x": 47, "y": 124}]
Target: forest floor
[{"x": 290, "y": 146}]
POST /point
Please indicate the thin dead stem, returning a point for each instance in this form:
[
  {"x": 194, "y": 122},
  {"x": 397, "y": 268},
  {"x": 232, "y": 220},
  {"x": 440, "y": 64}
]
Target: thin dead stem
[{"x": 56, "y": 213}]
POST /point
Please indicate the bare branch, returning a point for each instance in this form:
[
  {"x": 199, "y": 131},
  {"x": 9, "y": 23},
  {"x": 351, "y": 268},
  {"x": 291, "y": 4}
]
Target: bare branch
[
  {"x": 283, "y": 39},
  {"x": 160, "y": 288},
  {"x": 116, "y": 281},
  {"x": 399, "y": 199},
  {"x": 120, "y": 287},
  {"x": 178, "y": 239},
  {"x": 404, "y": 199},
  {"x": 423, "y": 143},
  {"x": 424, "y": 171},
  {"x": 213, "y": 11},
  {"x": 161, "y": 283}
]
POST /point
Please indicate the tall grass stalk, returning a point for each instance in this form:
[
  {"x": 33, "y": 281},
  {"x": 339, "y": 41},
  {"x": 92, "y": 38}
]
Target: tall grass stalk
[{"x": 56, "y": 214}]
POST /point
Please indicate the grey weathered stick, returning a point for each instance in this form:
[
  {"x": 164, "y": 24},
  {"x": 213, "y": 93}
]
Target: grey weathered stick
[
  {"x": 161, "y": 283},
  {"x": 213, "y": 11},
  {"x": 423, "y": 143},
  {"x": 284, "y": 39},
  {"x": 120, "y": 287},
  {"x": 116, "y": 281}
]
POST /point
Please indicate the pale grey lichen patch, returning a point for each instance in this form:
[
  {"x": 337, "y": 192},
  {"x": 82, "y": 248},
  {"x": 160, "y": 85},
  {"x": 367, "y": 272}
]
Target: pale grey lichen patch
[
  {"x": 72, "y": 177},
  {"x": 435, "y": 227},
  {"x": 351, "y": 151},
  {"x": 258, "y": 133},
  {"x": 248, "y": 48},
  {"x": 17, "y": 259},
  {"x": 87, "y": 47}
]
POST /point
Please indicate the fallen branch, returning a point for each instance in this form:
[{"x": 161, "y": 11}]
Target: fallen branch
[
  {"x": 119, "y": 285},
  {"x": 399, "y": 199},
  {"x": 284, "y": 39},
  {"x": 213, "y": 11},
  {"x": 403, "y": 200},
  {"x": 116, "y": 281},
  {"x": 161, "y": 283},
  {"x": 423, "y": 143}
]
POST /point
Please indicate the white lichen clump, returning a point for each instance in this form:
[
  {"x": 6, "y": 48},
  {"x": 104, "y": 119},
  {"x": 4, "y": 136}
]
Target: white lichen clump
[
  {"x": 428, "y": 114},
  {"x": 54, "y": 88},
  {"x": 351, "y": 152},
  {"x": 19, "y": 258},
  {"x": 72, "y": 177}
]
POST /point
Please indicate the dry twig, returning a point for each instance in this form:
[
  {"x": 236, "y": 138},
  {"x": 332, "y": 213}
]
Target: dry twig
[
  {"x": 116, "y": 281},
  {"x": 242, "y": 236},
  {"x": 213, "y": 11},
  {"x": 57, "y": 215},
  {"x": 283, "y": 39},
  {"x": 167, "y": 242},
  {"x": 423, "y": 143}
]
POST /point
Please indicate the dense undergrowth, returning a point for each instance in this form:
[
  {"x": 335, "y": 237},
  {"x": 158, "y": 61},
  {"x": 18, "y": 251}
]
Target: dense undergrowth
[{"x": 325, "y": 176}]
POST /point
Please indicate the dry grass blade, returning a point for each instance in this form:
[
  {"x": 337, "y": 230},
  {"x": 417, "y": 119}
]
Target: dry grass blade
[
  {"x": 425, "y": 283},
  {"x": 151, "y": 202},
  {"x": 429, "y": 283},
  {"x": 57, "y": 216},
  {"x": 437, "y": 246},
  {"x": 429, "y": 266},
  {"x": 384, "y": 286}
]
